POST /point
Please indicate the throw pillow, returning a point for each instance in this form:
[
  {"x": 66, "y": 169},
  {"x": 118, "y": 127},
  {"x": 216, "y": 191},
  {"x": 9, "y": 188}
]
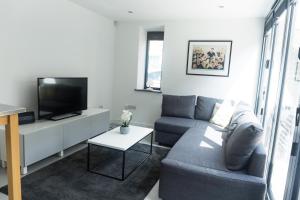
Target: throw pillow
[
  {"x": 242, "y": 110},
  {"x": 222, "y": 114},
  {"x": 242, "y": 142}
]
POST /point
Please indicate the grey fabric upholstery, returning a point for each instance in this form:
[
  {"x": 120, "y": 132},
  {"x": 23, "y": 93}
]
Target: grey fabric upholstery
[
  {"x": 195, "y": 169},
  {"x": 166, "y": 139},
  {"x": 201, "y": 123},
  {"x": 178, "y": 106},
  {"x": 200, "y": 146},
  {"x": 242, "y": 142},
  {"x": 256, "y": 166},
  {"x": 240, "y": 110},
  {"x": 179, "y": 180},
  {"x": 170, "y": 129},
  {"x": 174, "y": 125},
  {"x": 205, "y": 107}
]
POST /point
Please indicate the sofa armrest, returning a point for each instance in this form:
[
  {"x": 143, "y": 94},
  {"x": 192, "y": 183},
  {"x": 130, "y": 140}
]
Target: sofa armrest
[
  {"x": 184, "y": 181},
  {"x": 257, "y": 163}
]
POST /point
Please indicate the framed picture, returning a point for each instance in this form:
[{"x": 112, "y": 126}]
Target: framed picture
[{"x": 209, "y": 57}]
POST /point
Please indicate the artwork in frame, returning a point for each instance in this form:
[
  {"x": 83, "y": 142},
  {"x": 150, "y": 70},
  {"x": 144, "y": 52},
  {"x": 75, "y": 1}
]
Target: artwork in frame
[{"x": 209, "y": 57}]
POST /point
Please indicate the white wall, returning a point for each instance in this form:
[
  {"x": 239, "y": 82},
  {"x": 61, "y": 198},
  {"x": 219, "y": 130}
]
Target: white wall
[
  {"x": 246, "y": 35},
  {"x": 41, "y": 38}
]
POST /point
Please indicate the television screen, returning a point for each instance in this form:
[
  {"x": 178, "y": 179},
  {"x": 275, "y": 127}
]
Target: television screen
[{"x": 58, "y": 96}]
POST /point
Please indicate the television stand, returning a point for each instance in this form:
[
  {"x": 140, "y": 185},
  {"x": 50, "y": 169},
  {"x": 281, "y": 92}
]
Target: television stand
[
  {"x": 45, "y": 138},
  {"x": 64, "y": 116}
]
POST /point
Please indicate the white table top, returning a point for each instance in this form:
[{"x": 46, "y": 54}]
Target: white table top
[
  {"x": 9, "y": 110},
  {"x": 44, "y": 124},
  {"x": 115, "y": 140}
]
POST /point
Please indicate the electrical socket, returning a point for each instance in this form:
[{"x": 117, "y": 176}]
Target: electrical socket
[{"x": 100, "y": 106}]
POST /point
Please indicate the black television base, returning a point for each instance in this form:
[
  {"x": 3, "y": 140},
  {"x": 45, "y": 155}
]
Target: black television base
[{"x": 64, "y": 116}]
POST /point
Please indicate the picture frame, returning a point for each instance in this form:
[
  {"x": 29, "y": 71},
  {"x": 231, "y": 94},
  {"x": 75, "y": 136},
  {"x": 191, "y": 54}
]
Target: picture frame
[{"x": 209, "y": 57}]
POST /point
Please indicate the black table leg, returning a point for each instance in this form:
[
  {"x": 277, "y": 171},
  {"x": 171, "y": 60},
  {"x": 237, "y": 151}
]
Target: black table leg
[
  {"x": 151, "y": 143},
  {"x": 123, "y": 166},
  {"x": 88, "y": 158}
]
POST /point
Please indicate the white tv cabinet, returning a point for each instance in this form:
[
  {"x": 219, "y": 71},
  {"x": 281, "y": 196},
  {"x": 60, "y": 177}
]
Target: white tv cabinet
[{"x": 45, "y": 138}]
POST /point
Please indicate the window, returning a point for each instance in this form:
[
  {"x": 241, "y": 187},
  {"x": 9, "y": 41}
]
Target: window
[
  {"x": 154, "y": 51},
  {"x": 278, "y": 100}
]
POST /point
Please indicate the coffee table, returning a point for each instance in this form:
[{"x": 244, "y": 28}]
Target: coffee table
[{"x": 113, "y": 139}]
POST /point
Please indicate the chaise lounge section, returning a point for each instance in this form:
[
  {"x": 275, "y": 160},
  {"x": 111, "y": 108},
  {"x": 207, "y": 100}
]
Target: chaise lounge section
[
  {"x": 199, "y": 165},
  {"x": 179, "y": 113}
]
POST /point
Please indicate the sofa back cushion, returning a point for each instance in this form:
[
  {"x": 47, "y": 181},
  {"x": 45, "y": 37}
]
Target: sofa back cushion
[
  {"x": 178, "y": 106},
  {"x": 205, "y": 107},
  {"x": 243, "y": 141},
  {"x": 241, "y": 109},
  {"x": 222, "y": 114}
]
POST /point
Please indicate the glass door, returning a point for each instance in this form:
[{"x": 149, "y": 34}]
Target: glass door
[
  {"x": 272, "y": 98},
  {"x": 265, "y": 74},
  {"x": 278, "y": 104},
  {"x": 287, "y": 140},
  {"x": 282, "y": 162}
]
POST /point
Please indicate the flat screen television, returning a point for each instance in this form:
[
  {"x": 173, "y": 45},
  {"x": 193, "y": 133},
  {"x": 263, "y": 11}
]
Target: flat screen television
[{"x": 59, "y": 98}]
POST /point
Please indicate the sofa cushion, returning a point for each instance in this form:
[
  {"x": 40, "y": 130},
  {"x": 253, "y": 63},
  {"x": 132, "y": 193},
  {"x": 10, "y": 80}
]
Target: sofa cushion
[
  {"x": 174, "y": 125},
  {"x": 241, "y": 109},
  {"x": 178, "y": 106},
  {"x": 222, "y": 114},
  {"x": 205, "y": 107},
  {"x": 179, "y": 126},
  {"x": 202, "y": 124},
  {"x": 200, "y": 146},
  {"x": 243, "y": 141}
]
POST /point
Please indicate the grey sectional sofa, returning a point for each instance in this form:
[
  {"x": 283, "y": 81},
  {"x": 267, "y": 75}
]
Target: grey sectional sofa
[{"x": 208, "y": 162}]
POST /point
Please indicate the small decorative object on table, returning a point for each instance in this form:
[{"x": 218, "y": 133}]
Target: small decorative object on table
[{"x": 125, "y": 118}]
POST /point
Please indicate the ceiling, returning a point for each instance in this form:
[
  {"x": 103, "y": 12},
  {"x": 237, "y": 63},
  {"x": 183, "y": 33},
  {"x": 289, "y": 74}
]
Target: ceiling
[{"x": 177, "y": 9}]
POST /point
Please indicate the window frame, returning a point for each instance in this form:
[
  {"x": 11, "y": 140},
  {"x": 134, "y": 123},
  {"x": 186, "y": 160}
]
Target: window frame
[{"x": 151, "y": 35}]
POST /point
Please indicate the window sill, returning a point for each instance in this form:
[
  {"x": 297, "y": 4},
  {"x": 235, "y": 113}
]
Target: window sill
[{"x": 148, "y": 90}]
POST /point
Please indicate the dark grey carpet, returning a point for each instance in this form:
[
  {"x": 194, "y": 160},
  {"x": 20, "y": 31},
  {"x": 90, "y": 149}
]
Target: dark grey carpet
[{"x": 68, "y": 178}]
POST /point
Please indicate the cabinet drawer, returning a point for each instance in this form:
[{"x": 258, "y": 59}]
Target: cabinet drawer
[
  {"x": 41, "y": 144},
  {"x": 76, "y": 132},
  {"x": 100, "y": 123}
]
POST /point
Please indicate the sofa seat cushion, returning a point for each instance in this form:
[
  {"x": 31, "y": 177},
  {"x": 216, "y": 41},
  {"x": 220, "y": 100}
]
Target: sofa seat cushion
[
  {"x": 174, "y": 125},
  {"x": 202, "y": 124},
  {"x": 200, "y": 146},
  {"x": 179, "y": 126}
]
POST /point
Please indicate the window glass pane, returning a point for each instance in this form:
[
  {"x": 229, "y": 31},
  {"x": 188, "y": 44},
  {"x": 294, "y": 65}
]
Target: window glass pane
[
  {"x": 155, "y": 51},
  {"x": 265, "y": 75},
  {"x": 294, "y": 63},
  {"x": 284, "y": 132},
  {"x": 273, "y": 95},
  {"x": 286, "y": 127}
]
